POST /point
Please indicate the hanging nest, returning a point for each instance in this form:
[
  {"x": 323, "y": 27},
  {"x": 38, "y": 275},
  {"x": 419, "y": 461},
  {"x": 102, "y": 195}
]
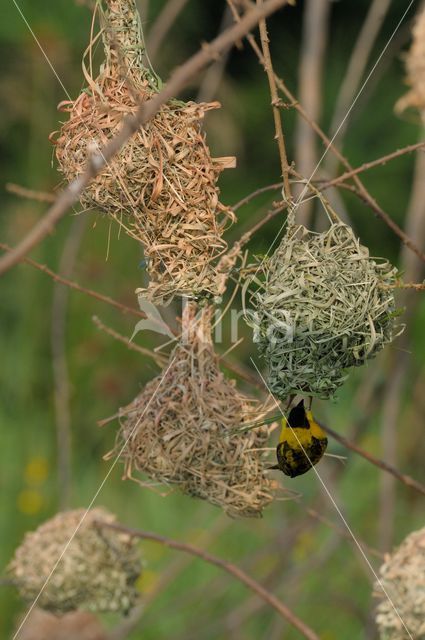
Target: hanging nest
[
  {"x": 76, "y": 625},
  {"x": 161, "y": 187},
  {"x": 403, "y": 578},
  {"x": 97, "y": 572},
  {"x": 415, "y": 66},
  {"x": 325, "y": 306},
  {"x": 181, "y": 430}
]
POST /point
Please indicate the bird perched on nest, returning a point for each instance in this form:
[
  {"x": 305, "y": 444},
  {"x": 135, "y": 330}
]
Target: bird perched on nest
[{"x": 302, "y": 442}]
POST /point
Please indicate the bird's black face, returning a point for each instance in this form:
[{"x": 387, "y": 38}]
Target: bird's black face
[{"x": 297, "y": 418}]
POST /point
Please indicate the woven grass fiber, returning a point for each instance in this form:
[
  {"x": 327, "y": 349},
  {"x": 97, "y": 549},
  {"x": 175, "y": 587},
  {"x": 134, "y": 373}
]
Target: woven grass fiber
[
  {"x": 181, "y": 430},
  {"x": 415, "y": 67},
  {"x": 161, "y": 187},
  {"x": 97, "y": 572},
  {"x": 403, "y": 578},
  {"x": 325, "y": 306}
]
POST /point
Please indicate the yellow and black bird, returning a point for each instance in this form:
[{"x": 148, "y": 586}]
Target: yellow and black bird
[{"x": 302, "y": 442}]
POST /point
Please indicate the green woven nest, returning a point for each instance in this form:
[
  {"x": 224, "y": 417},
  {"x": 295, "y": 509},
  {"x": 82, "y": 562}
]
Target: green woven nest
[
  {"x": 402, "y": 576},
  {"x": 97, "y": 572},
  {"x": 325, "y": 306}
]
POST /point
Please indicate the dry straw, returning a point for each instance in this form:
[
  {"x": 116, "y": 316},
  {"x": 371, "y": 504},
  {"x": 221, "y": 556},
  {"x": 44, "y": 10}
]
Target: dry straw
[
  {"x": 181, "y": 430},
  {"x": 403, "y": 578},
  {"x": 161, "y": 187},
  {"x": 415, "y": 66},
  {"x": 325, "y": 305},
  {"x": 96, "y": 573}
]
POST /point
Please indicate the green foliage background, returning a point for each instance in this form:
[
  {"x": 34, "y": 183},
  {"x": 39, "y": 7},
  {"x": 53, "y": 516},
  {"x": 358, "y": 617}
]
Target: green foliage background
[{"x": 321, "y": 576}]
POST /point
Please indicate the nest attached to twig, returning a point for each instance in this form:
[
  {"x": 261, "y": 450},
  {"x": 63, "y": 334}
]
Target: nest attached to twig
[
  {"x": 181, "y": 430},
  {"x": 415, "y": 66},
  {"x": 161, "y": 187},
  {"x": 325, "y": 306},
  {"x": 403, "y": 578},
  {"x": 97, "y": 571},
  {"x": 76, "y": 625}
]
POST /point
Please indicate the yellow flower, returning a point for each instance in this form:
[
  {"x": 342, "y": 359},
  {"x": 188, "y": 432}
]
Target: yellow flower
[
  {"x": 36, "y": 470},
  {"x": 30, "y": 502}
]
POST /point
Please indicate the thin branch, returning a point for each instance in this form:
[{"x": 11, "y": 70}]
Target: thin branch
[
  {"x": 399, "y": 366},
  {"x": 257, "y": 192},
  {"x": 268, "y": 66},
  {"x": 60, "y": 364},
  {"x": 162, "y": 25},
  {"x": 213, "y": 77},
  {"x": 158, "y": 358},
  {"x": 371, "y": 202},
  {"x": 29, "y": 194},
  {"x": 310, "y": 83},
  {"x": 178, "y": 80},
  {"x": 373, "y": 163},
  {"x": 229, "y": 567},
  {"x": 405, "y": 479},
  {"x": 361, "y": 190},
  {"x": 74, "y": 285},
  {"x": 343, "y": 532},
  {"x": 357, "y": 64}
]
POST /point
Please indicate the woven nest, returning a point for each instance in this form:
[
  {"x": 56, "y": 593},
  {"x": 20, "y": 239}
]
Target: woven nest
[
  {"x": 415, "y": 66},
  {"x": 161, "y": 187},
  {"x": 181, "y": 431},
  {"x": 96, "y": 573},
  {"x": 324, "y": 307},
  {"x": 76, "y": 625},
  {"x": 403, "y": 578}
]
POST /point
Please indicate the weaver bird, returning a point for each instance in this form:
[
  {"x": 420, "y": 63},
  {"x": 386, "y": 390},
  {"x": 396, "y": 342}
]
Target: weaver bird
[{"x": 302, "y": 442}]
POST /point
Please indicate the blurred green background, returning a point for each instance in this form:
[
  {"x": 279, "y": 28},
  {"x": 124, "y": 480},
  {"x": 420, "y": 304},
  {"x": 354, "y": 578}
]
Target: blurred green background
[{"x": 312, "y": 568}]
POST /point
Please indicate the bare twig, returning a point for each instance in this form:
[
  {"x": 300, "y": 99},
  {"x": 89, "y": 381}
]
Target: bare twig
[
  {"x": 361, "y": 190},
  {"x": 363, "y": 195},
  {"x": 213, "y": 76},
  {"x": 373, "y": 163},
  {"x": 129, "y": 624},
  {"x": 229, "y": 567},
  {"x": 356, "y": 66},
  {"x": 163, "y": 24},
  {"x": 268, "y": 66},
  {"x": 59, "y": 362},
  {"x": 405, "y": 479},
  {"x": 74, "y": 285},
  {"x": 314, "y": 39},
  {"x": 178, "y": 80},
  {"x": 257, "y": 192},
  {"x": 343, "y": 532},
  {"x": 399, "y": 366},
  {"x": 29, "y": 194},
  {"x": 159, "y": 359}
]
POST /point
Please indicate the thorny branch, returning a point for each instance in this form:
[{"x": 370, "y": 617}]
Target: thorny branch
[{"x": 268, "y": 65}]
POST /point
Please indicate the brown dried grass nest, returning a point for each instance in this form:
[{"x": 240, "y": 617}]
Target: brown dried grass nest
[
  {"x": 403, "y": 578},
  {"x": 181, "y": 431},
  {"x": 415, "y": 66},
  {"x": 97, "y": 572},
  {"x": 325, "y": 306},
  {"x": 161, "y": 187}
]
